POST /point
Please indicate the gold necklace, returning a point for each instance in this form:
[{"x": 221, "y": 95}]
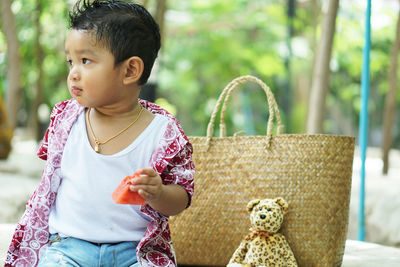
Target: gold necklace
[{"x": 98, "y": 142}]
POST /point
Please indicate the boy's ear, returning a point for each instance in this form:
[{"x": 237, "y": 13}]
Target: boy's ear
[{"x": 133, "y": 70}]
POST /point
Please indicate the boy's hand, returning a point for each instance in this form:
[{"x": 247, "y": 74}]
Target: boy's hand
[
  {"x": 148, "y": 185},
  {"x": 168, "y": 199}
]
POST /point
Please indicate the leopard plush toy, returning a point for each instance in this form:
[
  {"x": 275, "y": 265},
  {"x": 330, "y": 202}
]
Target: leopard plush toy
[{"x": 264, "y": 246}]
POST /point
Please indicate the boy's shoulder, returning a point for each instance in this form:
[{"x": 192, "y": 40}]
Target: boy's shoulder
[
  {"x": 66, "y": 104},
  {"x": 66, "y": 109},
  {"x": 156, "y": 109}
]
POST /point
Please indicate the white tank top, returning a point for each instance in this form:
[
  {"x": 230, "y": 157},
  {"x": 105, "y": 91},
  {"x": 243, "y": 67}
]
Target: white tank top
[{"x": 84, "y": 208}]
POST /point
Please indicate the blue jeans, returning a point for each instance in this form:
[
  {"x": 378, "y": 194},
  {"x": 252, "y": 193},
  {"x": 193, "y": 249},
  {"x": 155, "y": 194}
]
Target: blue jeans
[{"x": 68, "y": 251}]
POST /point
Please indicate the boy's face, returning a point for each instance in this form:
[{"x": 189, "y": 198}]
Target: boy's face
[{"x": 93, "y": 80}]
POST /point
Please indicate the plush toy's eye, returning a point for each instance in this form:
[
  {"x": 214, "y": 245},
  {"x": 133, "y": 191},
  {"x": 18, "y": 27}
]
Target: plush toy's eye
[
  {"x": 268, "y": 209},
  {"x": 260, "y": 209}
]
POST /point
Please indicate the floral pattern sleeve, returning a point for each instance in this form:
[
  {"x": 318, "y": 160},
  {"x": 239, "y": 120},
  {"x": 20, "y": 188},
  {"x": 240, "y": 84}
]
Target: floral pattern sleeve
[
  {"x": 180, "y": 170},
  {"x": 57, "y": 110}
]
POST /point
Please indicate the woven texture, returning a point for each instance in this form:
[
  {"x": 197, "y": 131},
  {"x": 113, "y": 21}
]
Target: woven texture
[{"x": 312, "y": 172}]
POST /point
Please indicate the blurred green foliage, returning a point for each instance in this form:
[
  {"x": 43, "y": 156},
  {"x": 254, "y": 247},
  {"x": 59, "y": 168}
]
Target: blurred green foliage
[
  {"x": 208, "y": 44},
  {"x": 54, "y": 22}
]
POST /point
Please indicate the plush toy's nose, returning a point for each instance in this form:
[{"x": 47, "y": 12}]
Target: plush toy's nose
[{"x": 262, "y": 216}]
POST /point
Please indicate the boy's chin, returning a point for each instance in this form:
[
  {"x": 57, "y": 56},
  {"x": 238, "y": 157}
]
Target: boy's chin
[{"x": 80, "y": 101}]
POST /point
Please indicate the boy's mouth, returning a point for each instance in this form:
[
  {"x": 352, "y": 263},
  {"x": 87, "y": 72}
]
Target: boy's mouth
[{"x": 76, "y": 91}]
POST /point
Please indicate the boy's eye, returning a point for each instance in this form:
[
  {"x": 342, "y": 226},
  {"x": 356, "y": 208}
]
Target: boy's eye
[
  {"x": 69, "y": 62},
  {"x": 85, "y": 61}
]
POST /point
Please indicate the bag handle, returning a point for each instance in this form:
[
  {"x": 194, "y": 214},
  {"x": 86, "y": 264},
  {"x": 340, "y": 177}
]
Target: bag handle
[
  {"x": 273, "y": 107},
  {"x": 224, "y": 97}
]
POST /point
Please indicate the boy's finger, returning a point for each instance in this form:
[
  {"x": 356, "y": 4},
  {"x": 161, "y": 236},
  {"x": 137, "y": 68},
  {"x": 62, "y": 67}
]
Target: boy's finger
[
  {"x": 137, "y": 188},
  {"x": 144, "y": 194},
  {"x": 133, "y": 188},
  {"x": 139, "y": 181},
  {"x": 147, "y": 171},
  {"x": 143, "y": 190},
  {"x": 144, "y": 180}
]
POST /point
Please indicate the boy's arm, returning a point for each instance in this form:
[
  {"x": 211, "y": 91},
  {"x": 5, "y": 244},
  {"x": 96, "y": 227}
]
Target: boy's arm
[
  {"x": 169, "y": 199},
  {"x": 180, "y": 170},
  {"x": 172, "y": 194}
]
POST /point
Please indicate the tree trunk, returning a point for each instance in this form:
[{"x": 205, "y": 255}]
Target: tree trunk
[
  {"x": 38, "y": 95},
  {"x": 149, "y": 90},
  {"x": 390, "y": 101},
  {"x": 145, "y": 3},
  {"x": 320, "y": 80},
  {"x": 5, "y": 132},
  {"x": 13, "y": 92},
  {"x": 315, "y": 11},
  {"x": 160, "y": 16},
  {"x": 316, "y": 14}
]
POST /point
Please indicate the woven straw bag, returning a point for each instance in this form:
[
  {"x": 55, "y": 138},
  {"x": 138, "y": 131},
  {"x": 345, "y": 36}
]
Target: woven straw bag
[{"x": 312, "y": 172}]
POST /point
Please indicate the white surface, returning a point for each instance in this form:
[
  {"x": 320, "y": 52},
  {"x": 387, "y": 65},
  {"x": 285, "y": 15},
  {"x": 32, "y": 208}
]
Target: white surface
[
  {"x": 360, "y": 254},
  {"x": 382, "y": 199}
]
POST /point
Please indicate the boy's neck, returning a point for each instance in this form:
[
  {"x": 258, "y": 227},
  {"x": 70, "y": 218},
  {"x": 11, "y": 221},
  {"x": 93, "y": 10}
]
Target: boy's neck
[
  {"x": 126, "y": 107},
  {"x": 118, "y": 110}
]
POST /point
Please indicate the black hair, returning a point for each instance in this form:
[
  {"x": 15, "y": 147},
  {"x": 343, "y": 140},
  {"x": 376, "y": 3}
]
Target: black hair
[{"x": 125, "y": 28}]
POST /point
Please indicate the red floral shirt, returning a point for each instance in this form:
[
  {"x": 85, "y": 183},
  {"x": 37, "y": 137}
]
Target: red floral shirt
[{"x": 172, "y": 160}]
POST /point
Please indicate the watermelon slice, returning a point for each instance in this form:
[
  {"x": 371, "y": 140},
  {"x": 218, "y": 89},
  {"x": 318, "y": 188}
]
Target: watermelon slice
[{"x": 122, "y": 194}]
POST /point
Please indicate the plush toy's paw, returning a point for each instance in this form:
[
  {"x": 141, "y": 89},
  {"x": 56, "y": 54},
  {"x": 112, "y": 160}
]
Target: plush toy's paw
[{"x": 234, "y": 265}]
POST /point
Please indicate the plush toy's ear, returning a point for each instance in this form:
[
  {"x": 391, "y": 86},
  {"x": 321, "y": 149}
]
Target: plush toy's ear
[
  {"x": 252, "y": 203},
  {"x": 281, "y": 202}
]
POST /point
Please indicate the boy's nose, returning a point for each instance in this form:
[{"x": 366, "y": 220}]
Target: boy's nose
[{"x": 73, "y": 74}]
